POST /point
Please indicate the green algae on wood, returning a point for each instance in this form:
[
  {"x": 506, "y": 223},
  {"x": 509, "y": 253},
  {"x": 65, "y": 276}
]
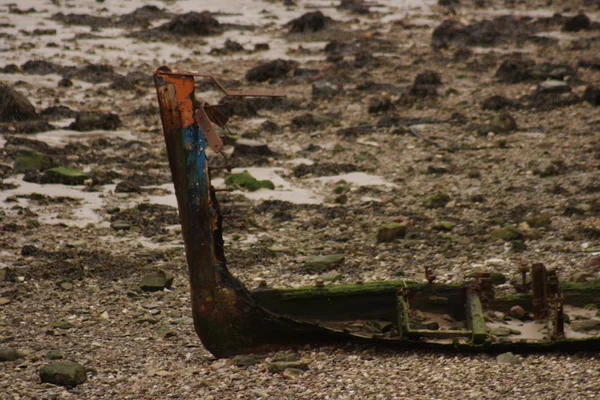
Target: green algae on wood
[{"x": 245, "y": 180}]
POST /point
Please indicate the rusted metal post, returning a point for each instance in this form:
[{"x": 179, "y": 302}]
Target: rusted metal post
[{"x": 539, "y": 283}]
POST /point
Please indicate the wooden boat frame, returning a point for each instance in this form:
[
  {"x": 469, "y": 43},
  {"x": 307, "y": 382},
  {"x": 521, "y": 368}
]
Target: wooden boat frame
[{"x": 229, "y": 319}]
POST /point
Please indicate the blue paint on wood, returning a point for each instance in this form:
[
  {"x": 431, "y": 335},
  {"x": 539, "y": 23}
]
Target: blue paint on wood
[{"x": 195, "y": 157}]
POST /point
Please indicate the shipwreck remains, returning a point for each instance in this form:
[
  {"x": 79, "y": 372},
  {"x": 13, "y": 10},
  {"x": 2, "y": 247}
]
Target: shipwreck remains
[{"x": 229, "y": 319}]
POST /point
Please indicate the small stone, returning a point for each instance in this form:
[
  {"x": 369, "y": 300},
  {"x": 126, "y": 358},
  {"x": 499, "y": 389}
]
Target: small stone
[
  {"x": 286, "y": 357},
  {"x": 280, "y": 366},
  {"x": 292, "y": 373},
  {"x": 310, "y": 22},
  {"x": 438, "y": 200},
  {"x": 517, "y": 312},
  {"x": 497, "y": 278},
  {"x": 390, "y": 232},
  {"x": 581, "y": 277},
  {"x": 245, "y": 360},
  {"x": 319, "y": 282},
  {"x": 585, "y": 325},
  {"x": 500, "y": 331},
  {"x": 66, "y": 176},
  {"x": 251, "y": 147},
  {"x": 4, "y": 301},
  {"x": 9, "y": 354},
  {"x": 506, "y": 233},
  {"x": 66, "y": 285},
  {"x": 592, "y": 262},
  {"x": 554, "y": 86},
  {"x": 63, "y": 324},
  {"x": 157, "y": 280},
  {"x": 14, "y": 106},
  {"x": 331, "y": 276},
  {"x": 507, "y": 358},
  {"x": 592, "y": 95},
  {"x": 120, "y": 225},
  {"x": 429, "y": 325},
  {"x": 63, "y": 373},
  {"x": 183, "y": 321},
  {"x": 503, "y": 123},
  {"x": 576, "y": 23},
  {"x": 3, "y": 274},
  {"x": 54, "y": 354},
  {"x": 320, "y": 264}
]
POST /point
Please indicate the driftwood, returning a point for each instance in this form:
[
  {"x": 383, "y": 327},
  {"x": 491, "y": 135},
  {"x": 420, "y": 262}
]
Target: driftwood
[{"x": 230, "y": 320}]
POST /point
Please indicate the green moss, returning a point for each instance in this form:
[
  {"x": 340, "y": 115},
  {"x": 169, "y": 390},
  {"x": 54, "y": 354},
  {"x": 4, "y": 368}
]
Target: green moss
[
  {"x": 438, "y": 200},
  {"x": 497, "y": 278},
  {"x": 64, "y": 175},
  {"x": 245, "y": 180},
  {"x": 506, "y": 233},
  {"x": 538, "y": 221},
  {"x": 30, "y": 161},
  {"x": 391, "y": 231},
  {"x": 339, "y": 189}
]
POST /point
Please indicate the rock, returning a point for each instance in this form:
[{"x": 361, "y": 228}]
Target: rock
[
  {"x": 446, "y": 226},
  {"x": 62, "y": 324},
  {"x": 500, "y": 331},
  {"x": 128, "y": 187},
  {"x": 538, "y": 221},
  {"x": 513, "y": 71},
  {"x": 576, "y": 23},
  {"x": 280, "y": 366},
  {"x": 554, "y": 86},
  {"x": 57, "y": 112},
  {"x": 3, "y": 274},
  {"x": 592, "y": 95},
  {"x": 311, "y": 120},
  {"x": 31, "y": 161},
  {"x": 428, "y": 325},
  {"x": 592, "y": 262},
  {"x": 497, "y": 278},
  {"x": 438, "y": 200},
  {"x": 354, "y": 6},
  {"x": 245, "y": 180},
  {"x": 120, "y": 225},
  {"x": 63, "y": 373},
  {"x": 41, "y": 67},
  {"x": 65, "y": 82},
  {"x": 320, "y": 264},
  {"x": 549, "y": 168},
  {"x": 66, "y": 285},
  {"x": 245, "y": 360},
  {"x": 309, "y": 22},
  {"x": 380, "y": 104},
  {"x": 449, "y": 32},
  {"x": 183, "y": 321},
  {"x": 581, "y": 277},
  {"x": 54, "y": 354},
  {"x": 331, "y": 276},
  {"x": 89, "y": 121},
  {"x": 390, "y": 232},
  {"x": 506, "y": 233},
  {"x": 496, "y": 103},
  {"x": 245, "y": 147},
  {"x": 508, "y": 358},
  {"x": 517, "y": 312},
  {"x": 503, "y": 123},
  {"x": 325, "y": 90},
  {"x": 428, "y": 78},
  {"x": 272, "y": 70},
  {"x": 9, "y": 354},
  {"x": 192, "y": 24},
  {"x": 157, "y": 280},
  {"x": 286, "y": 357},
  {"x": 14, "y": 106},
  {"x": 585, "y": 325},
  {"x": 270, "y": 126},
  {"x": 292, "y": 373},
  {"x": 66, "y": 176}
]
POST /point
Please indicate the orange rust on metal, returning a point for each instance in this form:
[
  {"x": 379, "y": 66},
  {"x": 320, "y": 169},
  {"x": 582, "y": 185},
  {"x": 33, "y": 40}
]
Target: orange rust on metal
[
  {"x": 539, "y": 284},
  {"x": 213, "y": 139},
  {"x": 184, "y": 90}
]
